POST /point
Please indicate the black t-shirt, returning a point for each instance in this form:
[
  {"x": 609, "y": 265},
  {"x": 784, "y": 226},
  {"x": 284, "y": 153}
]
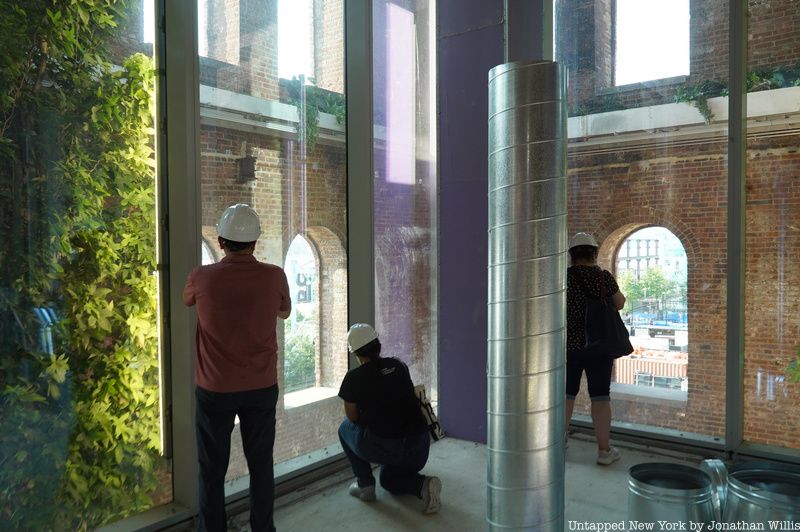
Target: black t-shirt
[
  {"x": 581, "y": 280},
  {"x": 383, "y": 391}
]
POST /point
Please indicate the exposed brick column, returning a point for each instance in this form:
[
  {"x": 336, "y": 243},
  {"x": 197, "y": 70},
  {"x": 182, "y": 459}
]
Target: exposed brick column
[
  {"x": 587, "y": 52},
  {"x": 329, "y": 44},
  {"x": 258, "y": 54}
]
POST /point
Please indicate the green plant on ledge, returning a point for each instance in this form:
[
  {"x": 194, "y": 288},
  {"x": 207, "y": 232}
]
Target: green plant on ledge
[
  {"x": 318, "y": 101},
  {"x": 793, "y": 369},
  {"x": 699, "y": 93},
  {"x": 603, "y": 104}
]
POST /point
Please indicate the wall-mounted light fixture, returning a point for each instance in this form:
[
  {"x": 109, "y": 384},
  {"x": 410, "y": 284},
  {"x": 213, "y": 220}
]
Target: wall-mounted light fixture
[{"x": 247, "y": 168}]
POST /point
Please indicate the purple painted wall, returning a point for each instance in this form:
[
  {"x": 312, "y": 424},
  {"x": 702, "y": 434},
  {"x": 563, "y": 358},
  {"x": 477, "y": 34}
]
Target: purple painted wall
[{"x": 470, "y": 43}]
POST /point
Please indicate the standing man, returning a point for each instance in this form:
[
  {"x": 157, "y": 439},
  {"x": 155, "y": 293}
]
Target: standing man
[
  {"x": 384, "y": 424},
  {"x": 238, "y": 301}
]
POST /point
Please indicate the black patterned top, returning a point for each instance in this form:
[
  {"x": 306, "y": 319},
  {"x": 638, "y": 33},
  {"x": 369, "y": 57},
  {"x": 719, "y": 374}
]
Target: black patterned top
[{"x": 581, "y": 279}]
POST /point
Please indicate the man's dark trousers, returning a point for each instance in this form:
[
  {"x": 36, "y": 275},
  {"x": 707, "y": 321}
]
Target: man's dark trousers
[{"x": 214, "y": 422}]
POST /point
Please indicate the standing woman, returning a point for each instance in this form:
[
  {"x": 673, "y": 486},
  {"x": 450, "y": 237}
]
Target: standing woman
[{"x": 584, "y": 278}]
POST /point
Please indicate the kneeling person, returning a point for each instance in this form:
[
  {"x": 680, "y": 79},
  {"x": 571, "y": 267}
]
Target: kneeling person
[{"x": 384, "y": 424}]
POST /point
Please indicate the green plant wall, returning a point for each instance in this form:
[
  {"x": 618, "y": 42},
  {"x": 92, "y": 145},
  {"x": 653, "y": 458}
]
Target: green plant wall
[{"x": 79, "y": 419}]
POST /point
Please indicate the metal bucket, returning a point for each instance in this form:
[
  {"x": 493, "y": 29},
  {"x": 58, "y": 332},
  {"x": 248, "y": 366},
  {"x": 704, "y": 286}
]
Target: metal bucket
[
  {"x": 760, "y": 492},
  {"x": 716, "y": 469},
  {"x": 669, "y": 492}
]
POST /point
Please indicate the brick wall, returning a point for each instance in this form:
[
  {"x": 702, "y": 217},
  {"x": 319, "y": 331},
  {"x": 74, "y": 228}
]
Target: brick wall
[
  {"x": 585, "y": 46},
  {"x": 575, "y": 46},
  {"x": 297, "y": 431},
  {"x": 329, "y": 46},
  {"x": 256, "y": 32},
  {"x": 312, "y": 202},
  {"x": 774, "y": 31},
  {"x": 221, "y": 31},
  {"x": 603, "y": 43},
  {"x": 620, "y": 190},
  {"x": 242, "y": 55},
  {"x": 772, "y": 295},
  {"x": 287, "y": 208},
  {"x": 332, "y": 362},
  {"x": 684, "y": 189},
  {"x": 615, "y": 194}
]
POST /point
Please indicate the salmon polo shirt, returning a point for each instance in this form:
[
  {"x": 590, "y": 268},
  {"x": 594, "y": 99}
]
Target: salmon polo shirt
[{"x": 237, "y": 300}]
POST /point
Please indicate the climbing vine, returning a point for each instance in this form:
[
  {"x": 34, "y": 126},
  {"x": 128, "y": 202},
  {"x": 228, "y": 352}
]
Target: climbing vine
[
  {"x": 758, "y": 80},
  {"x": 793, "y": 368},
  {"x": 317, "y": 101},
  {"x": 698, "y": 94}
]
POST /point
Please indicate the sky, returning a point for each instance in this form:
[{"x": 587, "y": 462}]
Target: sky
[
  {"x": 294, "y": 38},
  {"x": 652, "y": 40},
  {"x": 294, "y": 35}
]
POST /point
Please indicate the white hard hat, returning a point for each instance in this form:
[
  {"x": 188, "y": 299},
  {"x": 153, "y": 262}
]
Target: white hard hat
[
  {"x": 359, "y": 335},
  {"x": 582, "y": 239},
  {"x": 239, "y": 223}
]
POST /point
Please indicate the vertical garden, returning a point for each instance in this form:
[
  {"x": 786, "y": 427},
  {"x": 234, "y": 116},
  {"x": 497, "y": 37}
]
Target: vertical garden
[{"x": 79, "y": 408}]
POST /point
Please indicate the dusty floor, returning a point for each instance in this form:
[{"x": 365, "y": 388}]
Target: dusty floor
[{"x": 593, "y": 493}]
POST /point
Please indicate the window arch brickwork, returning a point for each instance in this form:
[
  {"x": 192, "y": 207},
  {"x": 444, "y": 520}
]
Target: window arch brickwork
[
  {"x": 332, "y": 257},
  {"x": 613, "y": 195}
]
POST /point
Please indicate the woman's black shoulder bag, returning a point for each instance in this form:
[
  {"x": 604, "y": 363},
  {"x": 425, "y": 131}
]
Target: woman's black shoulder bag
[{"x": 606, "y": 334}]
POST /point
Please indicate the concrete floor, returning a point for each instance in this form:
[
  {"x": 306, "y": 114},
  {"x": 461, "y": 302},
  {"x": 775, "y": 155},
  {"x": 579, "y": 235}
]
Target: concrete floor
[{"x": 593, "y": 493}]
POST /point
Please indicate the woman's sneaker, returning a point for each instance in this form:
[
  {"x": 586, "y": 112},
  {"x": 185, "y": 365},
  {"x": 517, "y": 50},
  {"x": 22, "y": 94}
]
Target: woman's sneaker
[
  {"x": 431, "y": 495},
  {"x": 365, "y": 493},
  {"x": 608, "y": 457}
]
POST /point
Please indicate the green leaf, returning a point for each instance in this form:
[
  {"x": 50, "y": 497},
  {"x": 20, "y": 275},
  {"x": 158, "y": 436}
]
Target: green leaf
[
  {"x": 53, "y": 390},
  {"x": 83, "y": 14}
]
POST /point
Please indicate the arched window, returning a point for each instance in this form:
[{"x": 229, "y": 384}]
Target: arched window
[
  {"x": 302, "y": 328},
  {"x": 651, "y": 271},
  {"x": 207, "y": 256}
]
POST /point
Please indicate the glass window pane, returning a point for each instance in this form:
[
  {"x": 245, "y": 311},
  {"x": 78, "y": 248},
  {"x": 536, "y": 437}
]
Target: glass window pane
[
  {"x": 272, "y": 135},
  {"x": 772, "y": 337},
  {"x": 81, "y": 435},
  {"x": 648, "y": 177},
  {"x": 405, "y": 184}
]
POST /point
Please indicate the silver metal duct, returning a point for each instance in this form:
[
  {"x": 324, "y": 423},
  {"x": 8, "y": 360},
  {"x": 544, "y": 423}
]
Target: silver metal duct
[{"x": 527, "y": 283}]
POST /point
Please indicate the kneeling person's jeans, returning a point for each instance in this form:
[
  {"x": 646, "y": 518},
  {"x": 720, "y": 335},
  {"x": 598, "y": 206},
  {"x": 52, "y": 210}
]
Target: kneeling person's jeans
[{"x": 400, "y": 459}]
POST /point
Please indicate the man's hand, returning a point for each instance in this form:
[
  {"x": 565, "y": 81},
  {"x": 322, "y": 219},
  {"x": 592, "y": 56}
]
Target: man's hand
[{"x": 351, "y": 411}]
